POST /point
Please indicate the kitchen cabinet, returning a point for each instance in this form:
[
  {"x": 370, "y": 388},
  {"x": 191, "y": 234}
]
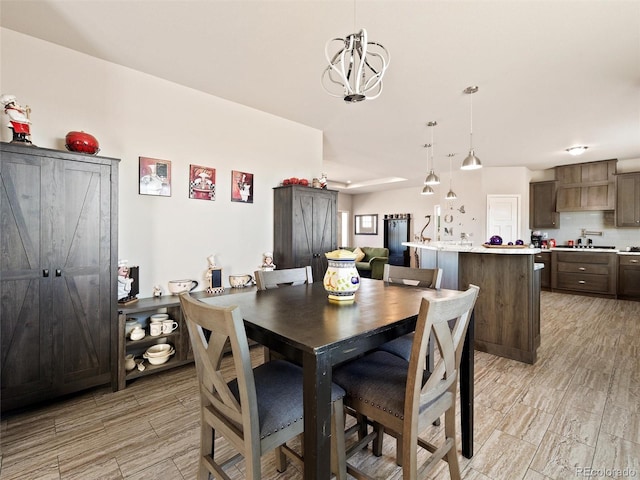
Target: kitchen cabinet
[
  {"x": 396, "y": 231},
  {"x": 58, "y": 270},
  {"x": 544, "y": 257},
  {"x": 584, "y": 272},
  {"x": 305, "y": 227},
  {"x": 586, "y": 186},
  {"x": 628, "y": 200},
  {"x": 542, "y": 205},
  {"x": 629, "y": 277},
  {"x": 507, "y": 312}
]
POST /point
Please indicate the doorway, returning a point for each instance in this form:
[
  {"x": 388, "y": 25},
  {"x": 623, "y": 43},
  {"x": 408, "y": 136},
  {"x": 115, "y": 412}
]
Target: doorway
[
  {"x": 343, "y": 230},
  {"x": 503, "y": 217}
]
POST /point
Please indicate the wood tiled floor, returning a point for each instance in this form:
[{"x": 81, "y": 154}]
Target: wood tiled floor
[{"x": 577, "y": 408}]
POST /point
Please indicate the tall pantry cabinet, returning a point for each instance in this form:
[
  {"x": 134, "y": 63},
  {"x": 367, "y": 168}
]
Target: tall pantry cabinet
[
  {"x": 305, "y": 227},
  {"x": 58, "y": 262}
]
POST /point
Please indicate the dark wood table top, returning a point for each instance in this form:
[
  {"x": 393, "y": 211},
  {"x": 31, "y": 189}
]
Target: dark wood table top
[{"x": 305, "y": 318}]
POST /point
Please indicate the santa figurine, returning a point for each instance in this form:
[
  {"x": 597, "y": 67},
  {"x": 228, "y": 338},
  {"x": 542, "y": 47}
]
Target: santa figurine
[{"x": 19, "y": 121}]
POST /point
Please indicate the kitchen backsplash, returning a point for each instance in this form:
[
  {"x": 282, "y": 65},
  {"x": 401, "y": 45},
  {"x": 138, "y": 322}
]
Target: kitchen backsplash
[{"x": 571, "y": 223}]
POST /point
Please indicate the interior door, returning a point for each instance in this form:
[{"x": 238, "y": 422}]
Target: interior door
[{"x": 503, "y": 217}]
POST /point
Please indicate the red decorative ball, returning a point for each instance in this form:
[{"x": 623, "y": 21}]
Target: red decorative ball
[{"x": 82, "y": 142}]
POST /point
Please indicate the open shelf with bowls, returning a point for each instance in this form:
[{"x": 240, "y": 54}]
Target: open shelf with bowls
[{"x": 140, "y": 314}]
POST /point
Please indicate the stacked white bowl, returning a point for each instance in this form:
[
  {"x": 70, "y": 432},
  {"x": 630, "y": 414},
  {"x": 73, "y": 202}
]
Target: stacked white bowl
[{"x": 159, "y": 353}]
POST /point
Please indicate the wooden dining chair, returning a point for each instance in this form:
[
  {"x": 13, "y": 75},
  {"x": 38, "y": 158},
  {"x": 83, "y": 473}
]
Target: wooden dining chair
[
  {"x": 403, "y": 397},
  {"x": 285, "y": 276},
  {"x": 280, "y": 278},
  {"x": 260, "y": 409},
  {"x": 419, "y": 277}
]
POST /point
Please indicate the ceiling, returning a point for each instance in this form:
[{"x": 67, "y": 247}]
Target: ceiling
[{"x": 551, "y": 74}]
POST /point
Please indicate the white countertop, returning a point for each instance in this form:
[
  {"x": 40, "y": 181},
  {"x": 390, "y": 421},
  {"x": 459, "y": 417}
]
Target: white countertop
[
  {"x": 601, "y": 250},
  {"x": 454, "y": 247}
]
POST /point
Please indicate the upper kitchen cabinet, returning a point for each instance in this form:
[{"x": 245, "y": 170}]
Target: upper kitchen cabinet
[
  {"x": 628, "y": 200},
  {"x": 542, "y": 205},
  {"x": 586, "y": 186}
]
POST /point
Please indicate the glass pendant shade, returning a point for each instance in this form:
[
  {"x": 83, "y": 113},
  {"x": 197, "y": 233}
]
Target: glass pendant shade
[
  {"x": 427, "y": 190},
  {"x": 471, "y": 162}
]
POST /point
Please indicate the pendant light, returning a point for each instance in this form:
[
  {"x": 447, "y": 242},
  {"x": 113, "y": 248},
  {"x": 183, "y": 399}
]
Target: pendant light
[
  {"x": 451, "y": 195},
  {"x": 432, "y": 178},
  {"x": 471, "y": 162},
  {"x": 427, "y": 190},
  {"x": 355, "y": 68}
]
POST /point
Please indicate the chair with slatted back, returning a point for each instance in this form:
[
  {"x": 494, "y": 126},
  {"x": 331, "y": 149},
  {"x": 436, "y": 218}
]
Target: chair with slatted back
[
  {"x": 260, "y": 409},
  {"x": 419, "y": 277},
  {"x": 285, "y": 276},
  {"x": 403, "y": 397}
]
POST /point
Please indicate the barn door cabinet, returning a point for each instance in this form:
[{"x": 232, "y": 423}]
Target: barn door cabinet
[
  {"x": 305, "y": 227},
  {"x": 58, "y": 262}
]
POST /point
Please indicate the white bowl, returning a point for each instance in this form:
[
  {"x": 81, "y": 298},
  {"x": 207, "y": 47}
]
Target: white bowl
[
  {"x": 159, "y": 317},
  {"x": 157, "y": 360},
  {"x": 159, "y": 350}
]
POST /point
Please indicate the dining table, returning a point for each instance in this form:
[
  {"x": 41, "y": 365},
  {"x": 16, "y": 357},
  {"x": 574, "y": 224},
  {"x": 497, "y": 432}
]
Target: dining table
[{"x": 302, "y": 324}]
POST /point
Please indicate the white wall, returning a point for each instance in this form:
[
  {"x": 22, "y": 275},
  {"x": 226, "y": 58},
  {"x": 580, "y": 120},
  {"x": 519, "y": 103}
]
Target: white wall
[
  {"x": 471, "y": 187},
  {"x": 133, "y": 114}
]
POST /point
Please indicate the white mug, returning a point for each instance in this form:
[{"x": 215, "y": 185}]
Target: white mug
[
  {"x": 155, "y": 329},
  {"x": 169, "y": 326}
]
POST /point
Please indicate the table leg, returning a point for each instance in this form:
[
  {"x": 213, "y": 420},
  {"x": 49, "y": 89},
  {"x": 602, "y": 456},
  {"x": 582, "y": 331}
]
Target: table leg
[
  {"x": 317, "y": 416},
  {"x": 466, "y": 391}
]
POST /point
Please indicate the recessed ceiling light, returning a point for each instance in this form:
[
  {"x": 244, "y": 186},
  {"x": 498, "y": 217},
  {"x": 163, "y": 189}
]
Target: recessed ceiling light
[{"x": 579, "y": 150}]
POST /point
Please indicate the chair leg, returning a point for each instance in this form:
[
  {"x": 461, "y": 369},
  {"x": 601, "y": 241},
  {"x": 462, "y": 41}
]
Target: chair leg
[
  {"x": 281, "y": 459},
  {"x": 399, "y": 451},
  {"x": 207, "y": 445},
  {"x": 338, "y": 447},
  {"x": 450, "y": 432},
  {"x": 377, "y": 441}
]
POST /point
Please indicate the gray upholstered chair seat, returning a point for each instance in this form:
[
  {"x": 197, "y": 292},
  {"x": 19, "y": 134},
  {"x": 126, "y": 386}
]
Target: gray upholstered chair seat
[
  {"x": 379, "y": 379},
  {"x": 279, "y": 395},
  {"x": 400, "y": 347}
]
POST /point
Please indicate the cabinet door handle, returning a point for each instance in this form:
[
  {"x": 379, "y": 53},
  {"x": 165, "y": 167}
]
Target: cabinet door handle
[
  {"x": 58, "y": 272},
  {"x": 582, "y": 269},
  {"x": 633, "y": 261},
  {"x": 45, "y": 272},
  {"x": 582, "y": 282}
]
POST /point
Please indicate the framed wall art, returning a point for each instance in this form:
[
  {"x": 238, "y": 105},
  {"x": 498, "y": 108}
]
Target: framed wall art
[
  {"x": 366, "y": 224},
  {"x": 241, "y": 187},
  {"x": 155, "y": 177},
  {"x": 202, "y": 182}
]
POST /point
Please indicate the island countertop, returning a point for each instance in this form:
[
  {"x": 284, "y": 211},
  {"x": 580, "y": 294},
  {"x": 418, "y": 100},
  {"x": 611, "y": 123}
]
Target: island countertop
[{"x": 454, "y": 247}]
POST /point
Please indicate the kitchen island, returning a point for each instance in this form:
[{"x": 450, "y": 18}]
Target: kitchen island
[{"x": 507, "y": 312}]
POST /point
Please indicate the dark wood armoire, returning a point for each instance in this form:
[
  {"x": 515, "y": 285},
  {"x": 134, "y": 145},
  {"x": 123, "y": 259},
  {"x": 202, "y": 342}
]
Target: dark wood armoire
[
  {"x": 58, "y": 264},
  {"x": 305, "y": 227}
]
